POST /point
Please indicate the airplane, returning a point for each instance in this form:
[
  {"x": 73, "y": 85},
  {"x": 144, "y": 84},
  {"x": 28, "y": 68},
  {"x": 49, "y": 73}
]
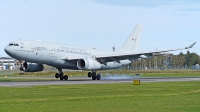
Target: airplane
[{"x": 36, "y": 53}]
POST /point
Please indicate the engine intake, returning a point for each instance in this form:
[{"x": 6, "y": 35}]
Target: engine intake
[
  {"x": 88, "y": 64},
  {"x": 31, "y": 67}
]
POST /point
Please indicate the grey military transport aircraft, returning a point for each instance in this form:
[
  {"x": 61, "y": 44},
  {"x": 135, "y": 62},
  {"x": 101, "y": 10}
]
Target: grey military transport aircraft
[{"x": 61, "y": 56}]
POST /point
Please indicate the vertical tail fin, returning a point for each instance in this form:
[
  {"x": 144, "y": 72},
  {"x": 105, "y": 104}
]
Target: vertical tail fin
[{"x": 132, "y": 42}]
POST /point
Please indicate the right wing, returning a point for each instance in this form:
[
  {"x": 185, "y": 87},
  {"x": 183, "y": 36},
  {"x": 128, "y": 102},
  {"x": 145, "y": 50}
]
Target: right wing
[{"x": 130, "y": 56}]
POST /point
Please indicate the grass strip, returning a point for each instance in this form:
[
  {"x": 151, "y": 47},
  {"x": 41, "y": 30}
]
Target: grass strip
[{"x": 159, "y": 96}]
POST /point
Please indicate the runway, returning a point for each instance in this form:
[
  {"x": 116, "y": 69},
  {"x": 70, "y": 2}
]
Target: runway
[{"x": 103, "y": 81}]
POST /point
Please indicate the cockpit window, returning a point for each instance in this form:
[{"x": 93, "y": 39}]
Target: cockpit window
[{"x": 13, "y": 44}]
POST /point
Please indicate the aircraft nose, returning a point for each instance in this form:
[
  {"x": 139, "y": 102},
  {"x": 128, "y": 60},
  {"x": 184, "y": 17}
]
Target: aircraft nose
[{"x": 7, "y": 50}]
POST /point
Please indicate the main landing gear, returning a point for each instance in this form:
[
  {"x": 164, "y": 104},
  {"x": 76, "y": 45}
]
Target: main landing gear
[
  {"x": 61, "y": 75},
  {"x": 65, "y": 77},
  {"x": 94, "y": 75}
]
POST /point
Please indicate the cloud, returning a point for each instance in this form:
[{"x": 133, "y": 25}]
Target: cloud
[
  {"x": 146, "y": 3},
  {"x": 191, "y": 9}
]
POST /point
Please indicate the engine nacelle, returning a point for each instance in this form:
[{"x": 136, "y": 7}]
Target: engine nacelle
[
  {"x": 31, "y": 67},
  {"x": 88, "y": 64}
]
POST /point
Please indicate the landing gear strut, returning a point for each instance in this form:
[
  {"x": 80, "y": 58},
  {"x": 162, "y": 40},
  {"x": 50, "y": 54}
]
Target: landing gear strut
[
  {"x": 60, "y": 75},
  {"x": 94, "y": 75}
]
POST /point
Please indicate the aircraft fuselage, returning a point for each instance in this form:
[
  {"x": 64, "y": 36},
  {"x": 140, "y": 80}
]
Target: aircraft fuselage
[{"x": 52, "y": 54}]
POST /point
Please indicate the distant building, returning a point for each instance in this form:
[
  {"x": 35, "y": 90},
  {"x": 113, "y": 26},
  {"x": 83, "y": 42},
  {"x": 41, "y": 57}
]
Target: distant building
[
  {"x": 7, "y": 63},
  {"x": 195, "y": 67}
]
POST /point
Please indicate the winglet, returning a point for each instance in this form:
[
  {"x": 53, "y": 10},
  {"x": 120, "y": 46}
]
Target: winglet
[{"x": 190, "y": 46}]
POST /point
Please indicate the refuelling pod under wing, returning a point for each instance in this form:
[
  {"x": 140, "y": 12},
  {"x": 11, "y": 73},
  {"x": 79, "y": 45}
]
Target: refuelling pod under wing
[
  {"x": 32, "y": 67},
  {"x": 88, "y": 64},
  {"x": 146, "y": 56}
]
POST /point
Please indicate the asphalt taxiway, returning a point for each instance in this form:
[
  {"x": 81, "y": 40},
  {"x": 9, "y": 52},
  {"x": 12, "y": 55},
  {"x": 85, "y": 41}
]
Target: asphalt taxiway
[{"x": 103, "y": 81}]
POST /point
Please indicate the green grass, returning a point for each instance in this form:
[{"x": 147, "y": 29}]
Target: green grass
[
  {"x": 2, "y": 73},
  {"x": 166, "y": 97}
]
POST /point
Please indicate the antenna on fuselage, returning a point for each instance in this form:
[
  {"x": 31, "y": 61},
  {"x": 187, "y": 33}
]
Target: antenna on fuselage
[{"x": 113, "y": 48}]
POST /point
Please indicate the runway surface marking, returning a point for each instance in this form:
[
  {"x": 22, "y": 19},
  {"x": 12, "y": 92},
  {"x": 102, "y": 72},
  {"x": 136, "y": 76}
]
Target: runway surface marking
[{"x": 89, "y": 81}]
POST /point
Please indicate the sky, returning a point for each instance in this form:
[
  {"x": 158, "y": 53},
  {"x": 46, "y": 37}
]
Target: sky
[{"x": 102, "y": 24}]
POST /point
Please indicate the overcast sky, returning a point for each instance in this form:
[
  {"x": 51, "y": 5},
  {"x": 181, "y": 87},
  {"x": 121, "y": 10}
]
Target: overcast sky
[{"x": 102, "y": 23}]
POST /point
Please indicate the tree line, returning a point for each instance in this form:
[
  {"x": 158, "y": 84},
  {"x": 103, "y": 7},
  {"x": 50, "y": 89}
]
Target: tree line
[{"x": 166, "y": 61}]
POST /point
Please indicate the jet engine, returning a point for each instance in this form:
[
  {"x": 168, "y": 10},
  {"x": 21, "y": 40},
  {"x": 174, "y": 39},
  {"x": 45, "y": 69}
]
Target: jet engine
[
  {"x": 88, "y": 64},
  {"x": 31, "y": 67}
]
